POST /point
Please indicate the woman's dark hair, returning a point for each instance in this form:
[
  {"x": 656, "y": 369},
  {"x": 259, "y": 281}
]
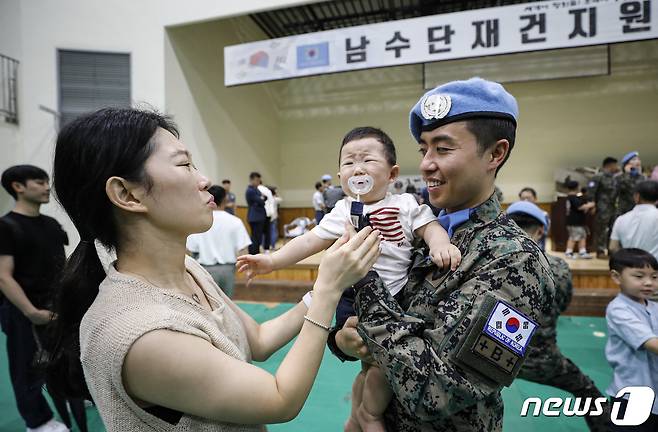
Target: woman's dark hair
[
  {"x": 371, "y": 132},
  {"x": 89, "y": 150},
  {"x": 632, "y": 258}
]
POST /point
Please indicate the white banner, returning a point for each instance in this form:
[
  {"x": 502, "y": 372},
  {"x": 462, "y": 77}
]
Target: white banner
[{"x": 501, "y": 30}]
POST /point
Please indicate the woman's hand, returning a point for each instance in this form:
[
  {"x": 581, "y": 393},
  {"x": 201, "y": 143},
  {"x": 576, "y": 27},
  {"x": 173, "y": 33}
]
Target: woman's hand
[{"x": 348, "y": 259}]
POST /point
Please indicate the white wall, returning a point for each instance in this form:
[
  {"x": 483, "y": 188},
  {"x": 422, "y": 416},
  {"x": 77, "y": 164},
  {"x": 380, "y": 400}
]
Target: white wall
[
  {"x": 230, "y": 131},
  {"x": 290, "y": 130},
  {"x": 10, "y": 46},
  {"x": 206, "y": 10},
  {"x": 32, "y": 31},
  {"x": 563, "y": 123}
]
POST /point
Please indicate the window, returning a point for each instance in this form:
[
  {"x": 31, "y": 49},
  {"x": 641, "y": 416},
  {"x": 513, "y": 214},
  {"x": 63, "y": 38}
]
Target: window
[{"x": 92, "y": 80}]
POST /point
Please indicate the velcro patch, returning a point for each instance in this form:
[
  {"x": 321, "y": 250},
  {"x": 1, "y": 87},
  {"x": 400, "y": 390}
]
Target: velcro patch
[
  {"x": 510, "y": 327},
  {"x": 490, "y": 349},
  {"x": 495, "y": 355}
]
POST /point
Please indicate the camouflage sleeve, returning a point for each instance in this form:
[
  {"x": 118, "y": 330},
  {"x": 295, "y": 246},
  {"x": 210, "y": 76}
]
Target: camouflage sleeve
[
  {"x": 416, "y": 351},
  {"x": 563, "y": 284}
]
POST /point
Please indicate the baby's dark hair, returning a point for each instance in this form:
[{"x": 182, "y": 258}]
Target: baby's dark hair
[
  {"x": 362, "y": 132},
  {"x": 632, "y": 258}
]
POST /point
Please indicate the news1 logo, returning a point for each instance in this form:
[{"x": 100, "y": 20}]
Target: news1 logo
[{"x": 638, "y": 409}]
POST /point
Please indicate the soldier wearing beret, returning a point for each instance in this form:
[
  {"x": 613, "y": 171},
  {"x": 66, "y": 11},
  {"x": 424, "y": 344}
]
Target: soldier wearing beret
[
  {"x": 545, "y": 363},
  {"x": 457, "y": 337},
  {"x": 602, "y": 189},
  {"x": 630, "y": 177}
]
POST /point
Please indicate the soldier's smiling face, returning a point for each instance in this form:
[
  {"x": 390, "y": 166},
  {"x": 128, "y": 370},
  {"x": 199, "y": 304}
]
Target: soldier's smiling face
[{"x": 457, "y": 175}]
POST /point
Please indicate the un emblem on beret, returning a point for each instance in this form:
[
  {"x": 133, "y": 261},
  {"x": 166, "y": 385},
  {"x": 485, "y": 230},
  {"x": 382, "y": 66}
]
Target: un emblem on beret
[{"x": 435, "y": 106}]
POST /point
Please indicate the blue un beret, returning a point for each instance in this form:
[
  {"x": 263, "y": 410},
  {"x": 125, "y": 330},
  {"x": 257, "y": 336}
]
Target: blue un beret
[
  {"x": 530, "y": 209},
  {"x": 460, "y": 100},
  {"x": 628, "y": 157}
]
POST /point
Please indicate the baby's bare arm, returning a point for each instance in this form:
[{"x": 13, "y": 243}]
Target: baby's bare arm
[
  {"x": 443, "y": 253},
  {"x": 434, "y": 235},
  {"x": 299, "y": 248}
]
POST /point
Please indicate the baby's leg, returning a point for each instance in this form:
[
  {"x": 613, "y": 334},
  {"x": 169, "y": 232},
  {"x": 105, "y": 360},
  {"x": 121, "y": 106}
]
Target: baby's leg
[
  {"x": 352, "y": 424},
  {"x": 376, "y": 396}
]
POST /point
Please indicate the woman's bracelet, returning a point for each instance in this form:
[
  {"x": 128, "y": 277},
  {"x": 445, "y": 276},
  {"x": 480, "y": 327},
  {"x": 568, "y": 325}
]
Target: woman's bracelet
[{"x": 312, "y": 321}]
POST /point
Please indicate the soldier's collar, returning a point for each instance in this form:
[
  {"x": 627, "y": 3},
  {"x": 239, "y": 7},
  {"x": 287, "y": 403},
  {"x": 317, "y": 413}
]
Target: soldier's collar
[
  {"x": 486, "y": 212},
  {"x": 451, "y": 221}
]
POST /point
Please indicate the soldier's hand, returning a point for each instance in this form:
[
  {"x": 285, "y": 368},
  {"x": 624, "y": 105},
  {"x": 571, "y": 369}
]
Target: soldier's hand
[{"x": 350, "y": 342}]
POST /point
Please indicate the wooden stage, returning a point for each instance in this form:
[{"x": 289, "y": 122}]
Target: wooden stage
[{"x": 593, "y": 288}]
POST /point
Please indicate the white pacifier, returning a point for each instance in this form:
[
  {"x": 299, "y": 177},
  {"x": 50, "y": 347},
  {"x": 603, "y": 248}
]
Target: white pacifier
[{"x": 360, "y": 185}]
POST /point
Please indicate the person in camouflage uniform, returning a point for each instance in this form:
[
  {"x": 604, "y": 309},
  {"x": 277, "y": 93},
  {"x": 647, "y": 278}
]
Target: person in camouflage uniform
[
  {"x": 427, "y": 344},
  {"x": 631, "y": 176},
  {"x": 602, "y": 189},
  {"x": 545, "y": 363}
]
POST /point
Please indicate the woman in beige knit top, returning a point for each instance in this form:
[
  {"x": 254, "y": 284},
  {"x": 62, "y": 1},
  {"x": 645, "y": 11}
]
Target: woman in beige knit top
[{"x": 160, "y": 346}]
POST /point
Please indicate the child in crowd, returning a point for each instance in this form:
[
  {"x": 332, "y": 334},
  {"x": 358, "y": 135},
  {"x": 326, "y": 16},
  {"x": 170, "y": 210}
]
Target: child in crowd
[
  {"x": 632, "y": 347},
  {"x": 367, "y": 168},
  {"x": 577, "y": 206}
]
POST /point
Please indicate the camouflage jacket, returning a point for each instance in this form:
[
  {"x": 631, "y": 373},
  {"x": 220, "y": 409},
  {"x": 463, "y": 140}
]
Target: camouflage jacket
[
  {"x": 626, "y": 184},
  {"x": 603, "y": 190},
  {"x": 563, "y": 293},
  {"x": 415, "y": 342}
]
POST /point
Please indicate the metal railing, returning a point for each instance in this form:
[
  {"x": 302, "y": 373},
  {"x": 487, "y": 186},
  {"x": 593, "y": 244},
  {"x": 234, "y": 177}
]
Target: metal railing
[{"x": 8, "y": 89}]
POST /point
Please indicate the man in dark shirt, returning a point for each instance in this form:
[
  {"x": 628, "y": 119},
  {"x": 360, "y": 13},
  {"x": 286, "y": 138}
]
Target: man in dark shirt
[
  {"x": 31, "y": 256},
  {"x": 577, "y": 207}
]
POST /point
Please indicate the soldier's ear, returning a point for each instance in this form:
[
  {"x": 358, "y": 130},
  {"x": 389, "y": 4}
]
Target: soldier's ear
[{"x": 540, "y": 232}]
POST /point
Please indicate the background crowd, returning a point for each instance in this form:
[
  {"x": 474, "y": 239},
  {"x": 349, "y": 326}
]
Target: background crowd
[{"x": 621, "y": 199}]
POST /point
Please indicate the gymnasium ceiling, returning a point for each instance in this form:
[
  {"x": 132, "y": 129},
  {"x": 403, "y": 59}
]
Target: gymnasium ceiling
[{"x": 330, "y": 15}]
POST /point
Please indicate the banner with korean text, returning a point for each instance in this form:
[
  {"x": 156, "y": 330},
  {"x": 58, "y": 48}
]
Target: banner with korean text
[{"x": 482, "y": 32}]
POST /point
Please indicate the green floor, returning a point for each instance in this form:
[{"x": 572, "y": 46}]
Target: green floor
[{"x": 328, "y": 405}]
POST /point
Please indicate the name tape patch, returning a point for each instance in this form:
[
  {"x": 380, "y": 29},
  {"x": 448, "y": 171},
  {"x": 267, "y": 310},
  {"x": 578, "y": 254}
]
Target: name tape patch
[{"x": 510, "y": 327}]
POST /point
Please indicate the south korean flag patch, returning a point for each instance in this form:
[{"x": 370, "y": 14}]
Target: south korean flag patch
[{"x": 510, "y": 327}]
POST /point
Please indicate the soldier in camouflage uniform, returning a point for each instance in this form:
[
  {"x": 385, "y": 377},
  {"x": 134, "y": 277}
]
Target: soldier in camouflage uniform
[
  {"x": 627, "y": 182},
  {"x": 545, "y": 363},
  {"x": 602, "y": 189},
  {"x": 445, "y": 372}
]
